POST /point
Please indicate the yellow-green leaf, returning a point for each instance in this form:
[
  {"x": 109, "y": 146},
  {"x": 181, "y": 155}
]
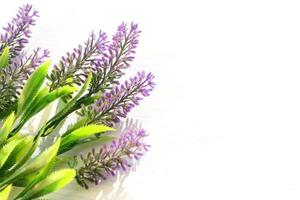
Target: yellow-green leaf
[
  {"x": 24, "y": 159},
  {"x": 42, "y": 160},
  {"x": 52, "y": 183},
  {"x": 32, "y": 86},
  {"x": 7, "y": 127},
  {"x": 4, "y": 194},
  {"x": 30, "y": 181},
  {"x": 71, "y": 103},
  {"x": 19, "y": 152},
  {"x": 79, "y": 123},
  {"x": 52, "y": 96},
  {"x": 4, "y": 58},
  {"x": 6, "y": 150},
  {"x": 20, "y": 170},
  {"x": 83, "y": 132},
  {"x": 44, "y": 98}
]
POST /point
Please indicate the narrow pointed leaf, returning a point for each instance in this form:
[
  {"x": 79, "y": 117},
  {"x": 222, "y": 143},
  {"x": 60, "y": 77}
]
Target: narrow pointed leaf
[
  {"x": 6, "y": 150},
  {"x": 82, "y": 133},
  {"x": 32, "y": 86},
  {"x": 44, "y": 98},
  {"x": 42, "y": 160},
  {"x": 100, "y": 140},
  {"x": 4, "y": 194},
  {"x": 19, "y": 152},
  {"x": 24, "y": 181},
  {"x": 26, "y": 156},
  {"x": 31, "y": 180},
  {"x": 29, "y": 111},
  {"x": 82, "y": 90},
  {"x": 7, "y": 127},
  {"x": 52, "y": 96},
  {"x": 72, "y": 102},
  {"x": 52, "y": 183},
  {"x": 18, "y": 170},
  {"x": 4, "y": 58},
  {"x": 80, "y": 123}
]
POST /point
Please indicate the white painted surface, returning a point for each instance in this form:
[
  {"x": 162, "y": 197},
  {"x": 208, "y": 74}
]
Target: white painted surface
[{"x": 224, "y": 119}]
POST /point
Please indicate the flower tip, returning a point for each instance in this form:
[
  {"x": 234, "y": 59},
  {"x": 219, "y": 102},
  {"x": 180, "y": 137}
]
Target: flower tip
[{"x": 134, "y": 25}]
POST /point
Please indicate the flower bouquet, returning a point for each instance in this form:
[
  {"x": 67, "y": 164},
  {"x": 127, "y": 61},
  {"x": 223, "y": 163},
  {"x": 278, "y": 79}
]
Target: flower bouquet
[{"x": 85, "y": 85}]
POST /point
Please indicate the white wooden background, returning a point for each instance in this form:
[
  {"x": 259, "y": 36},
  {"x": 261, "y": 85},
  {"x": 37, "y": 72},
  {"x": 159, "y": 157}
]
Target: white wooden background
[{"x": 224, "y": 119}]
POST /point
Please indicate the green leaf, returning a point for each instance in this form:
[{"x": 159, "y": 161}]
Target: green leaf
[
  {"x": 24, "y": 181},
  {"x": 4, "y": 58},
  {"x": 83, "y": 133},
  {"x": 14, "y": 137},
  {"x": 82, "y": 90},
  {"x": 19, "y": 152},
  {"x": 31, "y": 180},
  {"x": 4, "y": 194},
  {"x": 41, "y": 160},
  {"x": 52, "y": 96},
  {"x": 52, "y": 183},
  {"x": 6, "y": 150},
  {"x": 11, "y": 108},
  {"x": 32, "y": 86},
  {"x": 40, "y": 94},
  {"x": 80, "y": 123},
  {"x": 28, "y": 112},
  {"x": 100, "y": 140},
  {"x": 44, "y": 98},
  {"x": 71, "y": 103},
  {"x": 26, "y": 156},
  {"x": 7, "y": 127},
  {"x": 34, "y": 165}
]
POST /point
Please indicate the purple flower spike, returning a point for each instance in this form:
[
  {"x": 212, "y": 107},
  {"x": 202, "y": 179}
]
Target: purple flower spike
[
  {"x": 110, "y": 159},
  {"x": 119, "y": 101},
  {"x": 18, "y": 31},
  {"x": 124, "y": 44},
  {"x": 76, "y": 65},
  {"x": 118, "y": 56}
]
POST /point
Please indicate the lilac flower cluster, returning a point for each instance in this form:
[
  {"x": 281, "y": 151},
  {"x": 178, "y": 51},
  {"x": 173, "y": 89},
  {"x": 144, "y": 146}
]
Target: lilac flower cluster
[
  {"x": 118, "y": 155},
  {"x": 74, "y": 67},
  {"x": 120, "y": 100},
  {"x": 124, "y": 44},
  {"x": 18, "y": 31},
  {"x": 25, "y": 65},
  {"x": 106, "y": 60},
  {"x": 120, "y": 52}
]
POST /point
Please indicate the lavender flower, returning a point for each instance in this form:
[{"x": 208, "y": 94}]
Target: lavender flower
[
  {"x": 120, "y": 100},
  {"x": 106, "y": 62},
  {"x": 74, "y": 67},
  {"x": 118, "y": 56},
  {"x": 123, "y": 46},
  {"x": 98, "y": 165},
  {"x": 27, "y": 64},
  {"x": 18, "y": 31},
  {"x": 12, "y": 78}
]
